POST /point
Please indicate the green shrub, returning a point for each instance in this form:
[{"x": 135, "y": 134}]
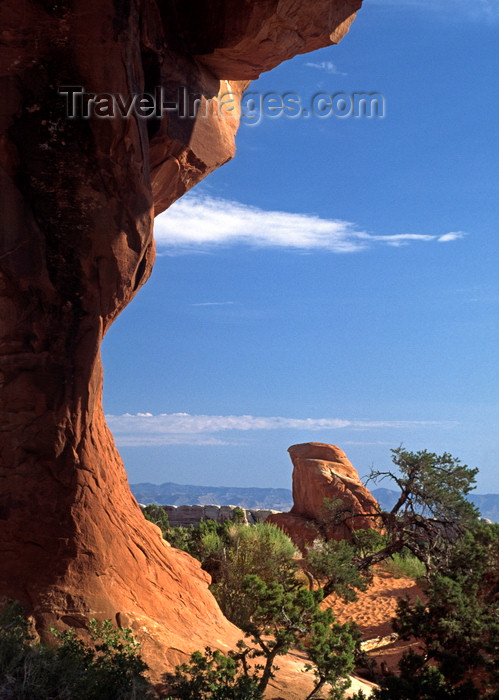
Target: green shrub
[
  {"x": 158, "y": 515},
  {"x": 457, "y": 627},
  {"x": 332, "y": 563},
  {"x": 112, "y": 670},
  {"x": 261, "y": 550},
  {"x": 231, "y": 550},
  {"x": 212, "y": 676},
  {"x": 405, "y": 565}
]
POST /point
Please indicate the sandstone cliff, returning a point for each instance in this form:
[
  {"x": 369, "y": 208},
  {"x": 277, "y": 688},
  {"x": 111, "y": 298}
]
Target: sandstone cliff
[
  {"x": 78, "y": 198},
  {"x": 320, "y": 472}
]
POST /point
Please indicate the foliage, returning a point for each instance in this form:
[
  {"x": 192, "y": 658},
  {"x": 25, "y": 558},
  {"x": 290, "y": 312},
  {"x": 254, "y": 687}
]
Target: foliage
[
  {"x": 280, "y": 619},
  {"x": 457, "y": 625},
  {"x": 222, "y": 548},
  {"x": 333, "y": 563},
  {"x": 432, "y": 511},
  {"x": 113, "y": 670},
  {"x": 429, "y": 517},
  {"x": 238, "y": 515},
  {"x": 185, "y": 538},
  {"x": 434, "y": 486},
  {"x": 367, "y": 542},
  {"x": 212, "y": 676},
  {"x": 276, "y": 620},
  {"x": 15, "y": 642},
  {"x": 334, "y": 511},
  {"x": 459, "y": 622},
  {"x": 230, "y": 551},
  {"x": 254, "y": 580},
  {"x": 332, "y": 649},
  {"x": 418, "y": 681},
  {"x": 158, "y": 515},
  {"x": 261, "y": 550},
  {"x": 432, "y": 530},
  {"x": 405, "y": 564}
]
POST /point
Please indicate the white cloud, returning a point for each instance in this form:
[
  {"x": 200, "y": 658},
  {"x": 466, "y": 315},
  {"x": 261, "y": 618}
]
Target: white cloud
[
  {"x": 146, "y": 429},
  {"x": 166, "y": 439},
  {"x": 326, "y": 66},
  {"x": 200, "y": 223},
  {"x": 399, "y": 239},
  {"x": 452, "y": 236},
  {"x": 214, "y": 303}
]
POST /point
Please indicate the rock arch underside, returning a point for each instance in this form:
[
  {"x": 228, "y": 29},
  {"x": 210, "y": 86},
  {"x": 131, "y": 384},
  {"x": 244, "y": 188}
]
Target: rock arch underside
[{"x": 78, "y": 198}]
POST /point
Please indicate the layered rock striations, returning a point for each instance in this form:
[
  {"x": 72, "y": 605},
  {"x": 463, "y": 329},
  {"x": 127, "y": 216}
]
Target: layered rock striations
[
  {"x": 322, "y": 473},
  {"x": 78, "y": 197}
]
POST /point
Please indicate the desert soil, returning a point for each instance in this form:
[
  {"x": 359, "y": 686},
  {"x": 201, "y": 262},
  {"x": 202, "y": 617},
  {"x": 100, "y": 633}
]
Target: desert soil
[{"x": 372, "y": 612}]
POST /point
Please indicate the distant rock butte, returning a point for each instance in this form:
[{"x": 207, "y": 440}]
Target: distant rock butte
[
  {"x": 76, "y": 244},
  {"x": 320, "y": 472},
  {"x": 194, "y": 514}
]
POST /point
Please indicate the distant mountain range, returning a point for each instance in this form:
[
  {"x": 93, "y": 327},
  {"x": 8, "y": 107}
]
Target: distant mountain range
[
  {"x": 170, "y": 494},
  {"x": 487, "y": 503}
]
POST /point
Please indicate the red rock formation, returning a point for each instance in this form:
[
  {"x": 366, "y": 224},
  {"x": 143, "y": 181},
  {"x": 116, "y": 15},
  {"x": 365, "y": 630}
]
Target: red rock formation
[
  {"x": 78, "y": 198},
  {"x": 322, "y": 472}
]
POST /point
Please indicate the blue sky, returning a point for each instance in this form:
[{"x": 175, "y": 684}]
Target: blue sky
[{"x": 337, "y": 281}]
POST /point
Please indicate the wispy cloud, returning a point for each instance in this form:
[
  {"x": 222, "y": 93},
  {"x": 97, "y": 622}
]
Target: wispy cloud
[
  {"x": 138, "y": 440},
  {"x": 214, "y": 303},
  {"x": 326, "y": 66},
  {"x": 452, "y": 236},
  {"x": 200, "y": 223},
  {"x": 147, "y": 429},
  {"x": 478, "y": 10}
]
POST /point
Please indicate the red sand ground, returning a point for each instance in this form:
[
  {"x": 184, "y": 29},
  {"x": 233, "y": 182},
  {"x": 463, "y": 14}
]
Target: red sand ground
[{"x": 373, "y": 611}]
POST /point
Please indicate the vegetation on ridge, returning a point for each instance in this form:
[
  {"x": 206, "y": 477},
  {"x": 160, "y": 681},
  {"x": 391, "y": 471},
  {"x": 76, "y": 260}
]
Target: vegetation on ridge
[
  {"x": 111, "y": 668},
  {"x": 430, "y": 516},
  {"x": 260, "y": 587},
  {"x": 430, "y": 532}
]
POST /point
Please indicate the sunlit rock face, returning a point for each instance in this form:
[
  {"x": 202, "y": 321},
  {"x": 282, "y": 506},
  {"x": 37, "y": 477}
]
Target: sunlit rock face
[
  {"x": 78, "y": 197},
  {"x": 322, "y": 473}
]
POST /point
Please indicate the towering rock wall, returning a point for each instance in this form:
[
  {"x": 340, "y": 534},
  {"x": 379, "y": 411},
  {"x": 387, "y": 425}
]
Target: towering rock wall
[{"x": 78, "y": 197}]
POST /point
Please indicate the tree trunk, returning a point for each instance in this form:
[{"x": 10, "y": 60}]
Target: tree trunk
[{"x": 316, "y": 690}]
